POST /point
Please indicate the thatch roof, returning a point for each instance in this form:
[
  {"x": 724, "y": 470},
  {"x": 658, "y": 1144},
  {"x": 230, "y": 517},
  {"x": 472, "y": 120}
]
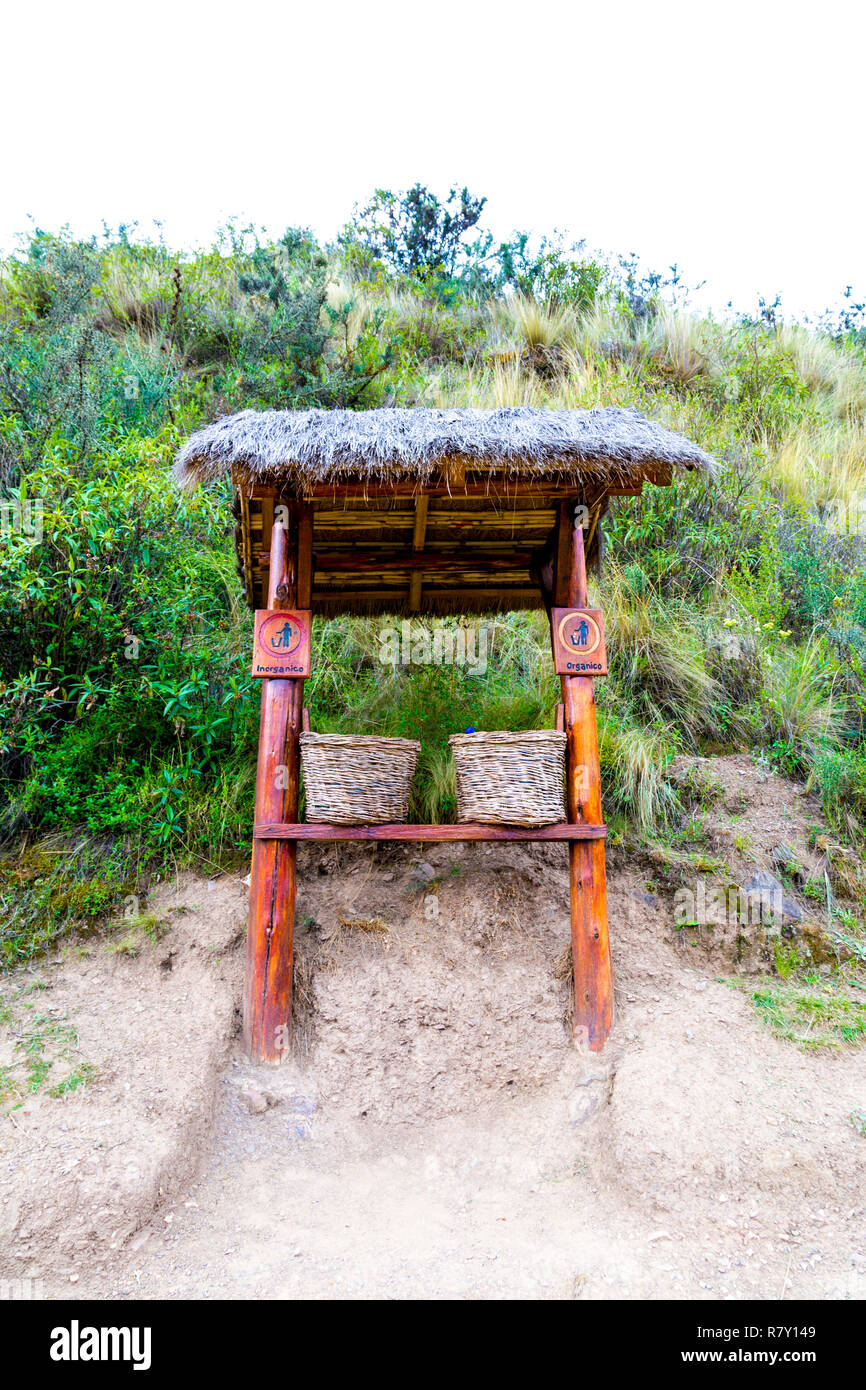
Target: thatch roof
[{"x": 307, "y": 447}]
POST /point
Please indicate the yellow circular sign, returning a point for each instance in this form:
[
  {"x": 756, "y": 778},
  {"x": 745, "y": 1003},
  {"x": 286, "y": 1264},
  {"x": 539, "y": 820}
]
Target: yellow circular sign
[
  {"x": 579, "y": 632},
  {"x": 281, "y": 634}
]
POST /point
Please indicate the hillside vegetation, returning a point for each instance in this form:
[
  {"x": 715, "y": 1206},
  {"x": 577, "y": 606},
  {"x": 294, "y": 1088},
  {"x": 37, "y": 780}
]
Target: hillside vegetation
[{"x": 736, "y": 609}]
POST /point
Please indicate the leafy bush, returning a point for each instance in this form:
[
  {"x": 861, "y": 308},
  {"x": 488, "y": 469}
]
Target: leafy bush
[{"x": 415, "y": 232}]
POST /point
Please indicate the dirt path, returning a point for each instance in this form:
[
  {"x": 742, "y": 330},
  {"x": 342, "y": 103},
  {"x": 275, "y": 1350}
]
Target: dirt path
[
  {"x": 530, "y": 1197},
  {"x": 436, "y": 1135}
]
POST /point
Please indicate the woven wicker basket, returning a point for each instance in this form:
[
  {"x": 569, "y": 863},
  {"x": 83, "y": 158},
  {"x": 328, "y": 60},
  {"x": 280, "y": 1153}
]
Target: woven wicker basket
[
  {"x": 510, "y": 779},
  {"x": 357, "y": 779}
]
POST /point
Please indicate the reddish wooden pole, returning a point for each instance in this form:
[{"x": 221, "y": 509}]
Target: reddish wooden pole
[
  {"x": 273, "y": 879},
  {"x": 593, "y": 983}
]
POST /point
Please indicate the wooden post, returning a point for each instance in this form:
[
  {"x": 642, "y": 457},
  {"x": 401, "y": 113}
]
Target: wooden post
[
  {"x": 593, "y": 984},
  {"x": 273, "y": 879},
  {"x": 418, "y": 533}
]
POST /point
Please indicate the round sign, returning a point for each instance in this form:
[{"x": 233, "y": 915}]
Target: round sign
[
  {"x": 579, "y": 632},
  {"x": 281, "y": 634}
]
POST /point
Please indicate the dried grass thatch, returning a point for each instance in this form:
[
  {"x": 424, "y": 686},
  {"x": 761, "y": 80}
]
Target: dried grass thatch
[{"x": 307, "y": 447}]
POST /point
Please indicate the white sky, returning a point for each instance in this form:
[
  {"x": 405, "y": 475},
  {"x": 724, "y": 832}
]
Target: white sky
[{"x": 728, "y": 138}]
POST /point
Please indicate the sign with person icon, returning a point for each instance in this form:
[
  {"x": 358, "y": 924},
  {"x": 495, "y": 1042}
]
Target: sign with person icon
[
  {"x": 578, "y": 642},
  {"x": 281, "y": 647}
]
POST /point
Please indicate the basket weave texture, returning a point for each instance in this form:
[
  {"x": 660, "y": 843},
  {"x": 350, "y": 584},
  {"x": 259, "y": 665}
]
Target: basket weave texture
[
  {"x": 510, "y": 778},
  {"x": 357, "y": 779}
]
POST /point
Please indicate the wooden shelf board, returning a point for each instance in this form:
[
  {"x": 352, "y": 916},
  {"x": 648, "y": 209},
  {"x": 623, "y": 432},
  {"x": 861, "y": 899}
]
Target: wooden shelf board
[{"x": 313, "y": 831}]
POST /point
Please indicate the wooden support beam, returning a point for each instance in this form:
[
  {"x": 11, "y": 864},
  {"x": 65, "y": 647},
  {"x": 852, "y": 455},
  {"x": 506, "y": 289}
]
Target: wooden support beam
[
  {"x": 496, "y": 488},
  {"x": 418, "y": 533},
  {"x": 267, "y": 506},
  {"x": 475, "y": 483},
  {"x": 454, "y": 524},
  {"x": 455, "y": 474},
  {"x": 305, "y": 554},
  {"x": 562, "y": 556},
  {"x": 273, "y": 877},
  {"x": 435, "y": 602},
  {"x": 468, "y": 831},
  {"x": 243, "y": 498},
  {"x": 593, "y": 984},
  {"x": 372, "y": 561}
]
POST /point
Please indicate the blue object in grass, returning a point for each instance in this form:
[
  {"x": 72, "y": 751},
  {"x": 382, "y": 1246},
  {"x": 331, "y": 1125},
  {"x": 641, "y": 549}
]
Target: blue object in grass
[{"x": 470, "y": 730}]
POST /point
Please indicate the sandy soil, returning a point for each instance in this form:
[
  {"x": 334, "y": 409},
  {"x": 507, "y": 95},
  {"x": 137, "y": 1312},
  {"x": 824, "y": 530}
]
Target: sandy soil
[{"x": 436, "y": 1134}]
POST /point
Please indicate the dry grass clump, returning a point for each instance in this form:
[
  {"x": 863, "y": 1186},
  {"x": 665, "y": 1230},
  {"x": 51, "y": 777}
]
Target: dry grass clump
[
  {"x": 532, "y": 327},
  {"x": 660, "y": 651},
  {"x": 678, "y": 345},
  {"x": 849, "y": 393},
  {"x": 134, "y": 293},
  {"x": 511, "y": 379},
  {"x": 405, "y": 320},
  {"x": 304, "y": 966},
  {"x": 563, "y": 971},
  {"x": 633, "y": 761},
  {"x": 603, "y": 333},
  {"x": 358, "y": 313},
  {"x": 816, "y": 358},
  {"x": 375, "y": 926},
  {"x": 825, "y": 468},
  {"x": 825, "y": 369},
  {"x": 803, "y": 707},
  {"x": 436, "y": 788}
]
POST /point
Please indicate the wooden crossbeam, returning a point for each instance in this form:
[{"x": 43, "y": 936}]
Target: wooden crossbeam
[
  {"x": 372, "y": 562},
  {"x": 311, "y": 831},
  {"x": 520, "y": 597},
  {"x": 494, "y": 488},
  {"x": 402, "y": 518}
]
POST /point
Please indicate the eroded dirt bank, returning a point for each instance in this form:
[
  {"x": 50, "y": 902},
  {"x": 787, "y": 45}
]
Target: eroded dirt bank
[{"x": 436, "y": 1134}]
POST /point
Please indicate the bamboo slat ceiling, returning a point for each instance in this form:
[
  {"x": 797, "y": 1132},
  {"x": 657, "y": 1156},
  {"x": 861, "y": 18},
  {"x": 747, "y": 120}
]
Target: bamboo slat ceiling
[{"x": 419, "y": 511}]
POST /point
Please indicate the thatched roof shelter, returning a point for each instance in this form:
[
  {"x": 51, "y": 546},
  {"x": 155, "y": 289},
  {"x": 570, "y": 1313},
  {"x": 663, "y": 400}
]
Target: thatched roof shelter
[
  {"x": 423, "y": 510},
  {"x": 307, "y": 447}
]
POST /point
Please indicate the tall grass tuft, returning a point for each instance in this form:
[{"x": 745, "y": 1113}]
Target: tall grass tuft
[
  {"x": 803, "y": 708},
  {"x": 633, "y": 759},
  {"x": 659, "y": 656}
]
